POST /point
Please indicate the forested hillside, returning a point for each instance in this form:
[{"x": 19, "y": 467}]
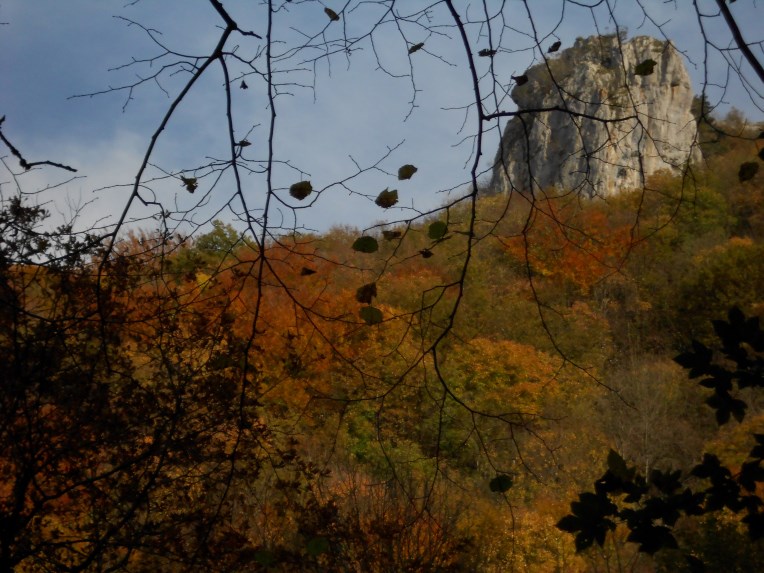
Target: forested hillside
[{"x": 146, "y": 424}]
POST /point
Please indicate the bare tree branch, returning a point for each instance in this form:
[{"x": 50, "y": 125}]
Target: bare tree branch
[{"x": 27, "y": 165}]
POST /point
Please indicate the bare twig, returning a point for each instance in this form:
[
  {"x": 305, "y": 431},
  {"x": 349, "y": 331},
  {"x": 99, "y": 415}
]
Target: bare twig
[{"x": 27, "y": 165}]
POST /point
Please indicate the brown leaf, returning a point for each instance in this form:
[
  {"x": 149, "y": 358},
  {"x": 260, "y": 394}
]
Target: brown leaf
[
  {"x": 387, "y": 198},
  {"x": 333, "y": 16},
  {"x": 406, "y": 172},
  {"x": 645, "y": 68},
  {"x": 190, "y": 183},
  {"x": 748, "y": 171},
  {"x": 365, "y": 293},
  {"x": 300, "y": 190},
  {"x": 371, "y": 315}
]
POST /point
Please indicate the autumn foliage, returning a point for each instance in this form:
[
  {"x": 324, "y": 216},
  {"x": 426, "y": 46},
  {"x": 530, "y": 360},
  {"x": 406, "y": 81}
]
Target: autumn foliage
[{"x": 216, "y": 404}]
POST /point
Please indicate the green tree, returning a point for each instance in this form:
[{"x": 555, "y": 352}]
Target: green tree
[{"x": 220, "y": 241}]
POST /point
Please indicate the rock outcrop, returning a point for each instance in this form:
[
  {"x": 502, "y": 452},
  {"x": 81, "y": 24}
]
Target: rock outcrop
[{"x": 644, "y": 120}]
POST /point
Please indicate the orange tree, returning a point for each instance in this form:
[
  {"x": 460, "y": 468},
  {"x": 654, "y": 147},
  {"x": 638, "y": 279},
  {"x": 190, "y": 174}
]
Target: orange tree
[{"x": 119, "y": 420}]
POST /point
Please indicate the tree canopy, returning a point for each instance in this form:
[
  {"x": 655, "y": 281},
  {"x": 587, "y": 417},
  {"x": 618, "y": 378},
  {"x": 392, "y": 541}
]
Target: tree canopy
[{"x": 205, "y": 383}]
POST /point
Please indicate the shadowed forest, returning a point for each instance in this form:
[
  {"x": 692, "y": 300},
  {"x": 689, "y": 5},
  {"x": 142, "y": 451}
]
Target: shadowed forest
[{"x": 129, "y": 442}]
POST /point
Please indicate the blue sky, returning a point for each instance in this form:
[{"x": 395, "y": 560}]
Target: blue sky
[{"x": 337, "y": 112}]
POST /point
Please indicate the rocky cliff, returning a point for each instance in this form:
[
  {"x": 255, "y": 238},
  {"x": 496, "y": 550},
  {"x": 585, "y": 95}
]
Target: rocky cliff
[{"x": 640, "y": 93}]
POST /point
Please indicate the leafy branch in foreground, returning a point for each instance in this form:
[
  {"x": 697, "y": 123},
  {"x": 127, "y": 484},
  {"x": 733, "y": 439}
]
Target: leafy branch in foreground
[{"x": 650, "y": 506}]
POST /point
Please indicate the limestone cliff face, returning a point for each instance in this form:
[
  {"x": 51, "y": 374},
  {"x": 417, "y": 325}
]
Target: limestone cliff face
[{"x": 596, "y": 77}]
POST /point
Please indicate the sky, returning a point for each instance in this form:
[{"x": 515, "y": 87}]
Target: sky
[{"x": 337, "y": 113}]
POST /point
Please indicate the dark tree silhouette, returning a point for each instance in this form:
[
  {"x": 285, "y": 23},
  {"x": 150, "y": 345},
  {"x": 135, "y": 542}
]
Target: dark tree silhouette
[{"x": 650, "y": 505}]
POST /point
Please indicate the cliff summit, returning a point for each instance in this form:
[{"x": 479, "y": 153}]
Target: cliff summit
[{"x": 622, "y": 112}]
